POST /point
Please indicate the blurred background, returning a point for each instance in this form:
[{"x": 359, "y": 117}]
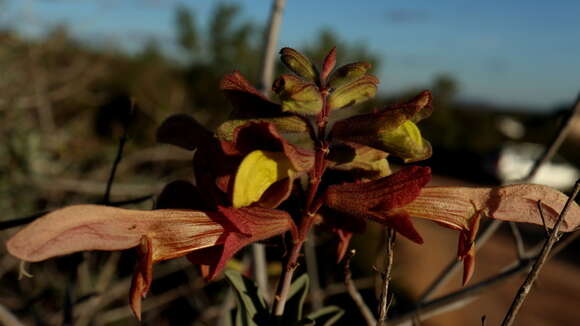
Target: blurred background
[{"x": 74, "y": 73}]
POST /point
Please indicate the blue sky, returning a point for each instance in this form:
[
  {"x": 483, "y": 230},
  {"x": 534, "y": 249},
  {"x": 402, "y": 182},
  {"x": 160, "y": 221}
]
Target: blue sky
[{"x": 525, "y": 53}]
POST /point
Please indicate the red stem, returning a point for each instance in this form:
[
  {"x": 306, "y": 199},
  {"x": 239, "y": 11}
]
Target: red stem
[{"x": 311, "y": 207}]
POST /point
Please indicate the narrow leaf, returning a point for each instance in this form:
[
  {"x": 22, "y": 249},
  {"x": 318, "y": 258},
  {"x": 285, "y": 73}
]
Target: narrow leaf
[
  {"x": 328, "y": 64},
  {"x": 251, "y": 309},
  {"x": 296, "y": 298},
  {"x": 326, "y": 316},
  {"x": 184, "y": 131}
]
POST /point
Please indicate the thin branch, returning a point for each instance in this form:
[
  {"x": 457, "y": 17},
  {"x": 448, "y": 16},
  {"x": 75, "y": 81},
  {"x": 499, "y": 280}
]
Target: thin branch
[
  {"x": 533, "y": 275},
  {"x": 541, "y": 210},
  {"x": 518, "y": 240},
  {"x": 389, "y": 252},
  {"x": 119, "y": 157},
  {"x": 354, "y": 293}
]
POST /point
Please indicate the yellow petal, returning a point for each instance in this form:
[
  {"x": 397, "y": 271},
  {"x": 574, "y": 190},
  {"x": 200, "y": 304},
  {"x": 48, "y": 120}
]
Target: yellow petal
[{"x": 257, "y": 172}]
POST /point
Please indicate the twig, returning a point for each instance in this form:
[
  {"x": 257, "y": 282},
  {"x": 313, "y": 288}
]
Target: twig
[
  {"x": 384, "y": 301},
  {"x": 453, "y": 267},
  {"x": 119, "y": 157},
  {"x": 354, "y": 293},
  {"x": 541, "y": 210},
  {"x": 533, "y": 275},
  {"x": 518, "y": 240}
]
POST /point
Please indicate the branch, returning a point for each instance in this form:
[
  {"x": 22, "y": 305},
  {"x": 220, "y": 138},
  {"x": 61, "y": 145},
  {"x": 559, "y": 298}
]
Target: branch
[
  {"x": 384, "y": 301},
  {"x": 353, "y": 292},
  {"x": 533, "y": 275}
]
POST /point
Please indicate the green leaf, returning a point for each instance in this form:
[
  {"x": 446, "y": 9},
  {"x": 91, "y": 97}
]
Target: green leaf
[
  {"x": 298, "y": 96},
  {"x": 348, "y": 73},
  {"x": 296, "y": 298},
  {"x": 289, "y": 124},
  {"x": 326, "y": 316},
  {"x": 405, "y": 142},
  {"x": 354, "y": 92},
  {"x": 251, "y": 309},
  {"x": 299, "y": 64}
]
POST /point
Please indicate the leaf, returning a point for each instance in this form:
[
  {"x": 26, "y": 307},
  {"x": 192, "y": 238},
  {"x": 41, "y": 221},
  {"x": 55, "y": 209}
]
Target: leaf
[
  {"x": 264, "y": 136},
  {"x": 328, "y": 64},
  {"x": 247, "y": 100},
  {"x": 251, "y": 224},
  {"x": 353, "y": 93},
  {"x": 299, "y": 64},
  {"x": 290, "y": 124},
  {"x": 348, "y": 73},
  {"x": 363, "y": 161},
  {"x": 454, "y": 206},
  {"x": 184, "y": 131},
  {"x": 256, "y": 173},
  {"x": 251, "y": 309},
  {"x": 326, "y": 316},
  {"x": 298, "y": 96},
  {"x": 296, "y": 298}
]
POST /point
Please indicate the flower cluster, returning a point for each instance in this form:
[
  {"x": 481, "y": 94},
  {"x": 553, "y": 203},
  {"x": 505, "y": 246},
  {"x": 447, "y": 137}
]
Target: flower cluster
[{"x": 273, "y": 168}]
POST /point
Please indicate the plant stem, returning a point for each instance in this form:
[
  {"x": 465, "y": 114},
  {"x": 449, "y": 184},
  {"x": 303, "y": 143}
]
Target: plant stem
[
  {"x": 533, "y": 275},
  {"x": 311, "y": 207}
]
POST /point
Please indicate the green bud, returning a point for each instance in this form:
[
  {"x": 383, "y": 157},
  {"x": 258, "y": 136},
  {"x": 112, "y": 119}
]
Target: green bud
[
  {"x": 348, "y": 73},
  {"x": 299, "y": 64},
  {"x": 354, "y": 92},
  {"x": 298, "y": 96}
]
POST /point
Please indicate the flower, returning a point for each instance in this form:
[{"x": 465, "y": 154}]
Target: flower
[
  {"x": 394, "y": 199},
  {"x": 208, "y": 238}
]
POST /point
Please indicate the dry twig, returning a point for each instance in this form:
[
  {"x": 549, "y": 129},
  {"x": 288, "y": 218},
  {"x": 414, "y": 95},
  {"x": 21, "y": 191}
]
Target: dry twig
[
  {"x": 386, "y": 274},
  {"x": 354, "y": 293}
]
